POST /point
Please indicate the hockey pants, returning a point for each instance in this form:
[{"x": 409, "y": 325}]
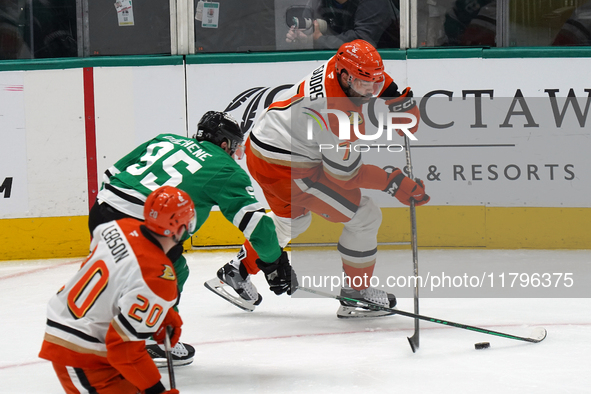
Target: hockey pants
[
  {"x": 100, "y": 381},
  {"x": 292, "y": 200}
]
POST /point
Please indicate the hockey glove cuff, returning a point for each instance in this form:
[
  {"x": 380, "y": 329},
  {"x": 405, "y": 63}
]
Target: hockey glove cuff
[{"x": 279, "y": 274}]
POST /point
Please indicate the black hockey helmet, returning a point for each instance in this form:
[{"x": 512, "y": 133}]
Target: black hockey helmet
[{"x": 217, "y": 127}]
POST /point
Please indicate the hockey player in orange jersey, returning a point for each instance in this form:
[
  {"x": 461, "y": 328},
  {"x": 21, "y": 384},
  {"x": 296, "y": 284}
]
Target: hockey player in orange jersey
[
  {"x": 298, "y": 178},
  {"x": 123, "y": 294}
]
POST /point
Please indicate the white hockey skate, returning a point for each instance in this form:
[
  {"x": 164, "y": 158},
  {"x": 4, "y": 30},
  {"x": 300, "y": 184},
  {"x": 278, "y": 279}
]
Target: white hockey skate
[
  {"x": 239, "y": 280},
  {"x": 182, "y": 354},
  {"x": 351, "y": 310}
]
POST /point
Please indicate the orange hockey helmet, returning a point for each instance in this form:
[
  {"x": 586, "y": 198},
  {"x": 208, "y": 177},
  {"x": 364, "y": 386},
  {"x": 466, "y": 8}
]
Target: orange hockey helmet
[
  {"x": 364, "y": 65},
  {"x": 170, "y": 212}
]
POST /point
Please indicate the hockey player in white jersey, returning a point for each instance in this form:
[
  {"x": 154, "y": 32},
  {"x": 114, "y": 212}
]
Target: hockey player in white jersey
[
  {"x": 298, "y": 178},
  {"x": 123, "y": 294}
]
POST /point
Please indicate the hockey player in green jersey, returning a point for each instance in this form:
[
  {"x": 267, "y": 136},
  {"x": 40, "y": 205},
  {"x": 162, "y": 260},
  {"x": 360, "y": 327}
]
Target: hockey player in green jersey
[{"x": 203, "y": 167}]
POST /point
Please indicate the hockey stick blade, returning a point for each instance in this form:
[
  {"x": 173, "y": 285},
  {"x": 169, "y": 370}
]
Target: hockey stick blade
[
  {"x": 538, "y": 334},
  {"x": 218, "y": 287},
  {"x": 413, "y": 342}
]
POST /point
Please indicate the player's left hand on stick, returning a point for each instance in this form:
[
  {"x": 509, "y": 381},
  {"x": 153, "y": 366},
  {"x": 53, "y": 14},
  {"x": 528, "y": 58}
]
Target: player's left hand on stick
[
  {"x": 404, "y": 103},
  {"x": 405, "y": 189},
  {"x": 172, "y": 319},
  {"x": 279, "y": 275}
]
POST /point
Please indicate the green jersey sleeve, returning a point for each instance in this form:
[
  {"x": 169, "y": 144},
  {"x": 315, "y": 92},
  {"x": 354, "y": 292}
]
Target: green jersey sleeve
[{"x": 237, "y": 202}]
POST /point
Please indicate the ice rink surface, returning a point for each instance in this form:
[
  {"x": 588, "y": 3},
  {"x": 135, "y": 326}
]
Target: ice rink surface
[{"x": 298, "y": 345}]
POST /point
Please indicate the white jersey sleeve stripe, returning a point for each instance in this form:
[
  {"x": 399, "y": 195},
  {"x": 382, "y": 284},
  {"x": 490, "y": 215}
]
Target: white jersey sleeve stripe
[
  {"x": 252, "y": 223},
  {"x": 112, "y": 196},
  {"x": 245, "y": 213},
  {"x": 109, "y": 173},
  {"x": 128, "y": 329}
]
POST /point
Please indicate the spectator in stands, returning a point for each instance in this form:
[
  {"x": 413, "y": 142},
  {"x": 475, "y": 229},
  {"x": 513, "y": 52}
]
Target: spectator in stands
[
  {"x": 577, "y": 29},
  {"x": 331, "y": 23},
  {"x": 40, "y": 29},
  {"x": 471, "y": 23},
  {"x": 12, "y": 42},
  {"x": 53, "y": 28}
]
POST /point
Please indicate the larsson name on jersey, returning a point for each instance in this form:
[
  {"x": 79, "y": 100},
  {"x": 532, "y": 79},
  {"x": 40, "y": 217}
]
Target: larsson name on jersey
[
  {"x": 316, "y": 83},
  {"x": 115, "y": 242},
  {"x": 190, "y": 145}
]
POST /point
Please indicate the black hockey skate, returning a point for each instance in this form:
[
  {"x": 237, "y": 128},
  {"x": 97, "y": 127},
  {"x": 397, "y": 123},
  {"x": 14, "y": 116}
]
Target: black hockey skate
[{"x": 239, "y": 280}]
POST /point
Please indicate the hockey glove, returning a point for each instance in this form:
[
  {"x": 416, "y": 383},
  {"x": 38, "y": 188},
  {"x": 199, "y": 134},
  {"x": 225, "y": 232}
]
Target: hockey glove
[
  {"x": 172, "y": 319},
  {"x": 405, "y": 103},
  {"x": 171, "y": 391},
  {"x": 279, "y": 275},
  {"x": 405, "y": 189}
]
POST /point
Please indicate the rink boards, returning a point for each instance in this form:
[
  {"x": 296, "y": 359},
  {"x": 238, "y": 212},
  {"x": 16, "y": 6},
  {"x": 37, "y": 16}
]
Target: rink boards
[{"x": 496, "y": 186}]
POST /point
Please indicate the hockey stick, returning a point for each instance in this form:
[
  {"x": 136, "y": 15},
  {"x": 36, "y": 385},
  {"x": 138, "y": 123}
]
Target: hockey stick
[
  {"x": 414, "y": 339},
  {"x": 168, "y": 350},
  {"x": 538, "y": 334}
]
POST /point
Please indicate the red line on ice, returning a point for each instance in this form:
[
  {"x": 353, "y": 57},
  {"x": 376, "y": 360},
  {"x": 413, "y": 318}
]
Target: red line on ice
[
  {"x": 39, "y": 269},
  {"x": 24, "y": 364}
]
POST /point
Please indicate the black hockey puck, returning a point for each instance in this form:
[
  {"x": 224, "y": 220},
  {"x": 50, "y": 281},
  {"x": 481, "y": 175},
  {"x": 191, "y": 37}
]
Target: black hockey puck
[{"x": 482, "y": 345}]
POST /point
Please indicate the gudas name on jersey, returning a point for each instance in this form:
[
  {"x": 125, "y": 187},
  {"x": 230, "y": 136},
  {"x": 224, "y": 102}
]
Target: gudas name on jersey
[
  {"x": 191, "y": 145},
  {"x": 316, "y": 84},
  {"x": 115, "y": 242}
]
